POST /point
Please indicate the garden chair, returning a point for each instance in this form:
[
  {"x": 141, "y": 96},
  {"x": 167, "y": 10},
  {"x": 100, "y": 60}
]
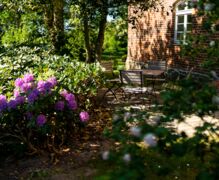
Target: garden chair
[
  {"x": 132, "y": 84},
  {"x": 157, "y": 65},
  {"x": 112, "y": 82}
]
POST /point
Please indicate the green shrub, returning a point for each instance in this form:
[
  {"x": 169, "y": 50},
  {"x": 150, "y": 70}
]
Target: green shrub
[
  {"x": 40, "y": 115},
  {"x": 75, "y": 76}
]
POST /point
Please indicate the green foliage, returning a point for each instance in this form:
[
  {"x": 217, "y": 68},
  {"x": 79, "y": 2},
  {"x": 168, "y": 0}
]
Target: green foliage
[
  {"x": 116, "y": 36},
  {"x": 27, "y": 31},
  {"x": 75, "y": 45},
  {"x": 149, "y": 147},
  {"x": 198, "y": 99},
  {"x": 73, "y": 75}
]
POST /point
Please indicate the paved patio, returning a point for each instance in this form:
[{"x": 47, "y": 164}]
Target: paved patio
[{"x": 188, "y": 126}]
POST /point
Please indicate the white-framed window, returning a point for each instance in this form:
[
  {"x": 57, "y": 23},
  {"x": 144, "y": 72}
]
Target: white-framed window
[{"x": 183, "y": 21}]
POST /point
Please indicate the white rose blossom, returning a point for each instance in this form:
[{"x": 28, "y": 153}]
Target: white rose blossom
[
  {"x": 150, "y": 140},
  {"x": 115, "y": 117},
  {"x": 105, "y": 155},
  {"x": 127, "y": 115},
  {"x": 127, "y": 157},
  {"x": 214, "y": 74},
  {"x": 212, "y": 43},
  {"x": 215, "y": 100},
  {"x": 135, "y": 131}
]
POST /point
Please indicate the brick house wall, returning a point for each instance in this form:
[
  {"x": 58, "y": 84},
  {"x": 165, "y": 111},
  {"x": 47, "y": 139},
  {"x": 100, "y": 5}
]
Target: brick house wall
[{"x": 152, "y": 38}]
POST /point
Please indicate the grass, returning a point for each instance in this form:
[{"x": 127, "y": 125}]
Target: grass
[{"x": 114, "y": 55}]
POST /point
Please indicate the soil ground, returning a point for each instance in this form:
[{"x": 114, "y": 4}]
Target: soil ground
[{"x": 82, "y": 157}]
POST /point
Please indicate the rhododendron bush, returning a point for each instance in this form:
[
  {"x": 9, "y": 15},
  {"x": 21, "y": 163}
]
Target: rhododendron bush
[
  {"x": 79, "y": 77},
  {"x": 40, "y": 115}
]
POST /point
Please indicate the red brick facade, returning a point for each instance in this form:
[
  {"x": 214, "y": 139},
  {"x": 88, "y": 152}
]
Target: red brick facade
[{"x": 152, "y": 38}]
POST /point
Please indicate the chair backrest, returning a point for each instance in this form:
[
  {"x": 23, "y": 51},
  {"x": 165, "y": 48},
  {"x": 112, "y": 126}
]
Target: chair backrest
[
  {"x": 132, "y": 77},
  {"x": 157, "y": 65},
  {"x": 108, "y": 66}
]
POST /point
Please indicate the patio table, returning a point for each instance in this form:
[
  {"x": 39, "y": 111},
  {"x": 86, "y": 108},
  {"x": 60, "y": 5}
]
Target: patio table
[{"x": 153, "y": 75}]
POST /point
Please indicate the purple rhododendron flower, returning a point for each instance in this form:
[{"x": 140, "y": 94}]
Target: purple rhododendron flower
[
  {"x": 20, "y": 99},
  {"x": 41, "y": 120},
  {"x": 48, "y": 85},
  {"x": 72, "y": 105},
  {"x": 84, "y": 116},
  {"x": 53, "y": 81},
  {"x": 16, "y": 93},
  {"x": 28, "y": 78},
  {"x": 40, "y": 85},
  {"x": 60, "y": 105},
  {"x": 64, "y": 93},
  {"x": 3, "y": 102},
  {"x": 33, "y": 96},
  {"x": 70, "y": 97},
  {"x": 26, "y": 87},
  {"x": 19, "y": 82},
  {"x": 44, "y": 86},
  {"x": 12, "y": 104}
]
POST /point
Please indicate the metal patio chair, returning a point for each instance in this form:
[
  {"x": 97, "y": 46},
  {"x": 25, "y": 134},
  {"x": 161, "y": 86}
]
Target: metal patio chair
[
  {"x": 112, "y": 82},
  {"x": 132, "y": 84},
  {"x": 157, "y": 65}
]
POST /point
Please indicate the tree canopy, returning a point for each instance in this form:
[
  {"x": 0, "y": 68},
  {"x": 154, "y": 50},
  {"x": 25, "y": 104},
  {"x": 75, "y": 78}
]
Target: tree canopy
[{"x": 55, "y": 22}]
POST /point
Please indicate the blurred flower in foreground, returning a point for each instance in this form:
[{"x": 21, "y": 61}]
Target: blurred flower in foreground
[
  {"x": 127, "y": 157},
  {"x": 105, "y": 155},
  {"x": 215, "y": 100},
  {"x": 135, "y": 131},
  {"x": 150, "y": 140}
]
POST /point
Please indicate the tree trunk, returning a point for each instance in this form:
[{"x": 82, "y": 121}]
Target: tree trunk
[
  {"x": 100, "y": 38},
  {"x": 58, "y": 25},
  {"x": 87, "y": 38},
  {"x": 48, "y": 18},
  {"x": 54, "y": 21}
]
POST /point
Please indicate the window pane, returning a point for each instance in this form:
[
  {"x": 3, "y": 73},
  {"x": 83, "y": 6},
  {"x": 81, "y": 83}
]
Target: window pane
[
  {"x": 180, "y": 27},
  {"x": 189, "y": 27},
  {"x": 181, "y": 19},
  {"x": 180, "y": 36},
  {"x": 189, "y": 18},
  {"x": 182, "y": 6}
]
